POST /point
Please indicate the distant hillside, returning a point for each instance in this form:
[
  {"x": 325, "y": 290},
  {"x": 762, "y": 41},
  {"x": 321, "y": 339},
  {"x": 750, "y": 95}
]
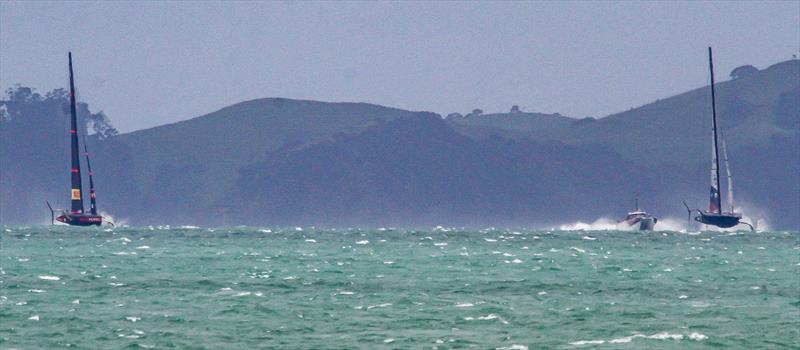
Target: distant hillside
[
  {"x": 418, "y": 171},
  {"x": 672, "y": 131},
  {"x": 514, "y": 125},
  {"x": 281, "y": 161},
  {"x": 194, "y": 163}
]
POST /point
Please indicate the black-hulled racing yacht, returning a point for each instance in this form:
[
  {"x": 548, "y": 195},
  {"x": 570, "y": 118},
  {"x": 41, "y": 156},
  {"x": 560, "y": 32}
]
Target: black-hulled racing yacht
[
  {"x": 76, "y": 216},
  {"x": 715, "y": 216}
]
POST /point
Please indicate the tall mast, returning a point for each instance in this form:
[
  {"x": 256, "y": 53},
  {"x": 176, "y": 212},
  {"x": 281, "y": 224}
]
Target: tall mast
[
  {"x": 76, "y": 195},
  {"x": 715, "y": 204}
]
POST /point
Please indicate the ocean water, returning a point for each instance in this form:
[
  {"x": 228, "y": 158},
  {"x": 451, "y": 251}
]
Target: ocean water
[{"x": 247, "y": 288}]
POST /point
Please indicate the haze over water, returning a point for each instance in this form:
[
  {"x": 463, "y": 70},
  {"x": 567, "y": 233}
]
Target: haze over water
[{"x": 161, "y": 287}]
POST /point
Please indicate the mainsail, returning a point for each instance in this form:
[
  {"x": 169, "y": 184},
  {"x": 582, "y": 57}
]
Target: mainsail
[
  {"x": 715, "y": 201},
  {"x": 727, "y": 170},
  {"x": 92, "y": 196},
  {"x": 76, "y": 195}
]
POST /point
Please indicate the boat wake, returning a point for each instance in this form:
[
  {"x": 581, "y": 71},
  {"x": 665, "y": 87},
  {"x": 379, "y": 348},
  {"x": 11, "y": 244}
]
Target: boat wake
[
  {"x": 607, "y": 224},
  {"x": 117, "y": 222}
]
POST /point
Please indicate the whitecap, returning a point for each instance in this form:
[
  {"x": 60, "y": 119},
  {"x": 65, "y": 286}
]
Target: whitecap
[
  {"x": 440, "y": 244},
  {"x": 513, "y": 347},
  {"x": 362, "y": 242},
  {"x": 588, "y": 238},
  {"x": 388, "y": 340},
  {"x": 311, "y": 240},
  {"x": 143, "y": 247},
  {"x": 379, "y": 305},
  {"x": 35, "y": 291},
  {"x": 49, "y": 278},
  {"x": 665, "y": 335},
  {"x": 242, "y": 294},
  {"x": 133, "y": 319},
  {"x": 516, "y": 261},
  {"x": 344, "y": 293},
  {"x": 490, "y": 240},
  {"x": 123, "y": 253},
  {"x": 697, "y": 336},
  {"x": 465, "y": 305},
  {"x": 588, "y": 342},
  {"x": 76, "y": 301},
  {"x": 623, "y": 340},
  {"x": 34, "y": 318},
  {"x": 579, "y": 250},
  {"x": 656, "y": 336}
]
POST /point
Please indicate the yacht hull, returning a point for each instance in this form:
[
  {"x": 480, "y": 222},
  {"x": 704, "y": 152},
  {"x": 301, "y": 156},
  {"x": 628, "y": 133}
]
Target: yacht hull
[
  {"x": 81, "y": 219},
  {"x": 724, "y": 220}
]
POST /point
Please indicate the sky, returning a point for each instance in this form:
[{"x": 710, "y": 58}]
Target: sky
[{"x": 151, "y": 63}]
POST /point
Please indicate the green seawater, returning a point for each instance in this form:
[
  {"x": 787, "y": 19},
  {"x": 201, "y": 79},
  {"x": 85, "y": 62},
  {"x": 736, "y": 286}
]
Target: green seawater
[{"x": 252, "y": 288}]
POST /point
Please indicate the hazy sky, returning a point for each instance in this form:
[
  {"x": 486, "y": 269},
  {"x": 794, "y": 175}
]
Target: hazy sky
[{"x": 151, "y": 63}]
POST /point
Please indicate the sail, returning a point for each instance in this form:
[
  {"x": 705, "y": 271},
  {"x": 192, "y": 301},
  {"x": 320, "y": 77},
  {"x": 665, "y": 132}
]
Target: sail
[
  {"x": 715, "y": 201},
  {"x": 730, "y": 177},
  {"x": 92, "y": 196},
  {"x": 76, "y": 195}
]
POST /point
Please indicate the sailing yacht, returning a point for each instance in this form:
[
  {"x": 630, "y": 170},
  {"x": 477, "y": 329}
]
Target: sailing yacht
[
  {"x": 76, "y": 216},
  {"x": 715, "y": 216}
]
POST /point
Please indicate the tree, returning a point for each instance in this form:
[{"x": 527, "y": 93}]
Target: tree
[
  {"x": 475, "y": 112},
  {"x": 22, "y": 94},
  {"x": 515, "y": 109},
  {"x": 454, "y": 116},
  {"x": 99, "y": 123},
  {"x": 743, "y": 71}
]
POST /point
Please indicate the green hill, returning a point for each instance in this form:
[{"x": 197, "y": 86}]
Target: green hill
[
  {"x": 677, "y": 129},
  {"x": 197, "y": 160}
]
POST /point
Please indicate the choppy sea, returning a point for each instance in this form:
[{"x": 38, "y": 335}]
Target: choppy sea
[{"x": 298, "y": 288}]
